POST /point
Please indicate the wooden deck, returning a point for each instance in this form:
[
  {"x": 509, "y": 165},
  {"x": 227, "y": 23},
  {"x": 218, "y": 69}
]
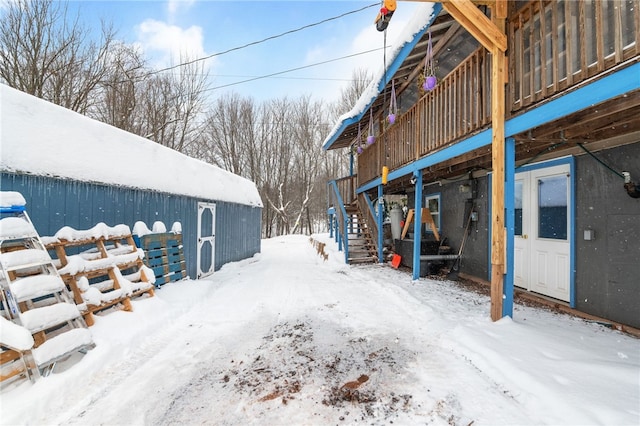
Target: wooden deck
[{"x": 554, "y": 48}]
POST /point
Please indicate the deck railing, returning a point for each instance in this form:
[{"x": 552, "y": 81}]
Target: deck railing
[
  {"x": 459, "y": 105},
  {"x": 553, "y": 46}
]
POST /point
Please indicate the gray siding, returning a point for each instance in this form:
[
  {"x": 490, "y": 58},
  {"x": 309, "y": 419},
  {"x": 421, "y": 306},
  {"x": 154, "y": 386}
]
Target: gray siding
[
  {"x": 54, "y": 203},
  {"x": 608, "y": 267},
  {"x": 475, "y": 259},
  {"x": 607, "y": 275}
]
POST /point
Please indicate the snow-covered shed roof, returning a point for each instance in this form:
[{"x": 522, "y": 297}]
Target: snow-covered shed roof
[
  {"x": 40, "y": 138},
  {"x": 422, "y": 19}
]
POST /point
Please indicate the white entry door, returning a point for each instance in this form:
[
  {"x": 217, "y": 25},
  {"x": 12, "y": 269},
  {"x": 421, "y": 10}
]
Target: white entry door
[
  {"x": 206, "y": 239},
  {"x": 542, "y": 231}
]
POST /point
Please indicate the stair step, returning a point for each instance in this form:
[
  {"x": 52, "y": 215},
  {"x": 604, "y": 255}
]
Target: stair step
[
  {"x": 369, "y": 259},
  {"x": 15, "y": 228},
  {"x": 24, "y": 259},
  {"x": 360, "y": 250},
  {"x": 43, "y": 318},
  {"x": 15, "y": 336},
  {"x": 62, "y": 345},
  {"x": 29, "y": 288}
]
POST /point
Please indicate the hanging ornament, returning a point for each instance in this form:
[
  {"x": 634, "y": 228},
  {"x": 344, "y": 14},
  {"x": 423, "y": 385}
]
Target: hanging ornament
[
  {"x": 360, "y": 149},
  {"x": 430, "y": 79},
  {"x": 393, "y": 106},
  {"x": 371, "y": 138}
]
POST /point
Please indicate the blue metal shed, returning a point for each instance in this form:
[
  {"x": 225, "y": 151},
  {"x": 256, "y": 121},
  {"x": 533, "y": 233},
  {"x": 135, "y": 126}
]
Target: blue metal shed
[{"x": 77, "y": 172}]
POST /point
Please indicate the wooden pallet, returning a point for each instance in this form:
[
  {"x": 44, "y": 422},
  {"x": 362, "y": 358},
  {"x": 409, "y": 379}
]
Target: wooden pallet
[
  {"x": 107, "y": 271},
  {"x": 164, "y": 256}
]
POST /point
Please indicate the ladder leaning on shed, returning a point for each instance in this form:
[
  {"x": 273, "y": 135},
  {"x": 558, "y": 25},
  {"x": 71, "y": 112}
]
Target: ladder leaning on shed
[{"x": 34, "y": 298}]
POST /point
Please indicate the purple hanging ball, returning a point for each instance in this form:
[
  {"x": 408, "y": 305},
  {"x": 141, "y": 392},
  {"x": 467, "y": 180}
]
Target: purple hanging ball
[
  {"x": 392, "y": 118},
  {"x": 430, "y": 82},
  {"x": 359, "y": 150},
  {"x": 371, "y": 139}
]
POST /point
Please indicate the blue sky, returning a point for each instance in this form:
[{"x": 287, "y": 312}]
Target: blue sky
[{"x": 163, "y": 29}]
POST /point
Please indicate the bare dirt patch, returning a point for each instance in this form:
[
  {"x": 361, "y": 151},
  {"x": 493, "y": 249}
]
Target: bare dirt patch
[{"x": 354, "y": 376}]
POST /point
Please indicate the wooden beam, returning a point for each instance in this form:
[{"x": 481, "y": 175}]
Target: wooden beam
[
  {"x": 436, "y": 49},
  {"x": 478, "y": 25}
]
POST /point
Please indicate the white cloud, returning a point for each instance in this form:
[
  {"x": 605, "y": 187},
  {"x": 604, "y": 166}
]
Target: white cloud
[
  {"x": 166, "y": 43},
  {"x": 366, "y": 39},
  {"x": 174, "y": 5}
]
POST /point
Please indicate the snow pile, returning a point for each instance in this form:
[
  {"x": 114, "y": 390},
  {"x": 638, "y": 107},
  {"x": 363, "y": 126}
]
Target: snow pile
[
  {"x": 24, "y": 257},
  {"x": 62, "y": 345},
  {"x": 79, "y": 263},
  {"x": 48, "y": 316},
  {"x": 35, "y": 286},
  {"x": 10, "y": 199},
  {"x": 16, "y": 227},
  {"x": 159, "y": 228},
  {"x": 34, "y": 142},
  {"x": 14, "y": 336},
  {"x": 101, "y": 230},
  {"x": 141, "y": 229},
  {"x": 288, "y": 336},
  {"x": 92, "y": 294}
]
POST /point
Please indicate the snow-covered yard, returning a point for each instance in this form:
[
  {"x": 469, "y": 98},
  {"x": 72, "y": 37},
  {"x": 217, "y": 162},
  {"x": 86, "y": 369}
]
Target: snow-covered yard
[{"x": 289, "y": 338}]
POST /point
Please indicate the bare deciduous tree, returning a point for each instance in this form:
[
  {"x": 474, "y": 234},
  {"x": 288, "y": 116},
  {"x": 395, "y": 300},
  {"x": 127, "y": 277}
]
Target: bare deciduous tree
[
  {"x": 118, "y": 98},
  {"x": 181, "y": 127},
  {"x": 360, "y": 79},
  {"x": 228, "y": 133},
  {"x": 48, "y": 55}
]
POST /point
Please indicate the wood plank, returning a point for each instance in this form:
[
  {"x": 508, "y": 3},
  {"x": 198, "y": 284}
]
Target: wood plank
[
  {"x": 8, "y": 355},
  {"x": 425, "y": 218},
  {"x": 478, "y": 25}
]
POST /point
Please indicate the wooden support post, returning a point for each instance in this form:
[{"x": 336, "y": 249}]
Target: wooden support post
[
  {"x": 380, "y": 223},
  {"x": 417, "y": 237},
  {"x": 509, "y": 195},
  {"x": 498, "y": 164},
  {"x": 491, "y": 34}
]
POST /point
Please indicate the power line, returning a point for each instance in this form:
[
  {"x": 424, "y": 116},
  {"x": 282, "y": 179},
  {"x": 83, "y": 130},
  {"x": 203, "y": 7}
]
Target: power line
[
  {"x": 204, "y": 58},
  {"x": 283, "y": 78},
  {"x": 291, "y": 70}
]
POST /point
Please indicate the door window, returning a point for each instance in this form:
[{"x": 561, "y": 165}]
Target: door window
[
  {"x": 552, "y": 207},
  {"x": 518, "y": 208}
]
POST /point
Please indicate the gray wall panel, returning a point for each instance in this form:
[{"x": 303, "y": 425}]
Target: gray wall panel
[
  {"x": 608, "y": 267},
  {"x": 54, "y": 203}
]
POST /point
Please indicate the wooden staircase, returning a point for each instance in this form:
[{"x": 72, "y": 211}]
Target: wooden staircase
[{"x": 362, "y": 248}]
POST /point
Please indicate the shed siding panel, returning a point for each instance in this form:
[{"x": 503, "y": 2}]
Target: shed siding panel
[
  {"x": 237, "y": 232},
  {"x": 54, "y": 203}
]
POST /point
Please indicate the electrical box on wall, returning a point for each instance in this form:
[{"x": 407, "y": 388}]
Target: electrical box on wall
[{"x": 589, "y": 234}]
